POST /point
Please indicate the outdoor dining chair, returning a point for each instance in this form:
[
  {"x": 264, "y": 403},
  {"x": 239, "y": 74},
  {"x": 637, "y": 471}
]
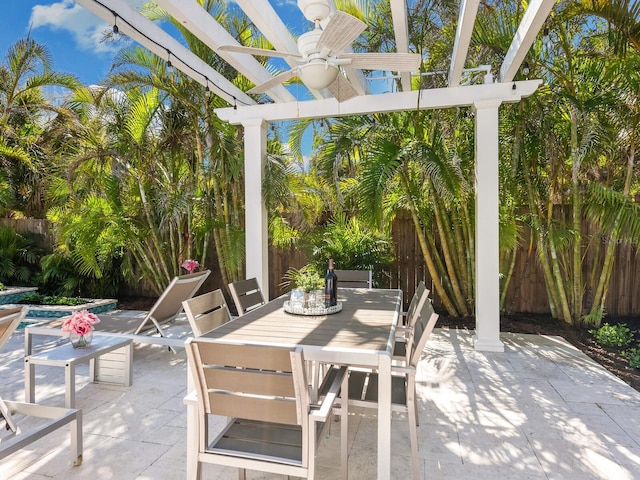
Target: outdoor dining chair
[
  {"x": 246, "y": 295},
  {"x": 273, "y": 424},
  {"x": 409, "y": 318},
  {"x": 354, "y": 278},
  {"x": 363, "y": 384},
  {"x": 206, "y": 312},
  {"x": 56, "y": 416}
]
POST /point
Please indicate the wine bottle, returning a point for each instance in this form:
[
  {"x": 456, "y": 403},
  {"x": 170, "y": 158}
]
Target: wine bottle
[{"x": 330, "y": 287}]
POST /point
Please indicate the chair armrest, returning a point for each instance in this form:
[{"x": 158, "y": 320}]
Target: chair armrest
[{"x": 329, "y": 392}]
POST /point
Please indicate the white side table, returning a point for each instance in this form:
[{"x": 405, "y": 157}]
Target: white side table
[{"x": 109, "y": 357}]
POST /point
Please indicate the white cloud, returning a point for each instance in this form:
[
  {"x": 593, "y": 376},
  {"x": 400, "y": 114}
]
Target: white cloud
[{"x": 86, "y": 28}]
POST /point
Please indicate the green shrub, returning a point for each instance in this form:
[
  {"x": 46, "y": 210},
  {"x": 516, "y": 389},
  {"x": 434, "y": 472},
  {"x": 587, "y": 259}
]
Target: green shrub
[
  {"x": 633, "y": 357},
  {"x": 613, "y": 335},
  {"x": 39, "y": 299},
  {"x": 2, "y": 287},
  {"x": 354, "y": 246}
]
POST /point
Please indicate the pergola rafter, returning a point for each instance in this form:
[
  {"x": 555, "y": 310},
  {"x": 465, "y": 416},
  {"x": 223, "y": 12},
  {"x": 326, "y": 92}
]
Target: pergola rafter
[
  {"x": 155, "y": 39},
  {"x": 196, "y": 19},
  {"x": 401, "y": 31}
]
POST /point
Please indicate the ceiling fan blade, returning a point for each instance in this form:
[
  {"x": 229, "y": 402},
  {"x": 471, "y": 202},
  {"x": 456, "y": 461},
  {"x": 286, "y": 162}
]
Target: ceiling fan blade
[
  {"x": 342, "y": 89},
  {"x": 393, "y": 62},
  {"x": 341, "y": 30},
  {"x": 277, "y": 80},
  {"x": 257, "y": 51}
]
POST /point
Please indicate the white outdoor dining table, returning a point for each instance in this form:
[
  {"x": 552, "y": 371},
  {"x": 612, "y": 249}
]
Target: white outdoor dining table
[{"x": 362, "y": 334}]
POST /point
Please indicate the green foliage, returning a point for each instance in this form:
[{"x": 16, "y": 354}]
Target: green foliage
[
  {"x": 353, "y": 246},
  {"x": 613, "y": 335},
  {"x": 2, "y": 287},
  {"x": 19, "y": 257},
  {"x": 633, "y": 357},
  {"x": 594, "y": 318},
  {"x": 39, "y": 299},
  {"x": 306, "y": 278}
]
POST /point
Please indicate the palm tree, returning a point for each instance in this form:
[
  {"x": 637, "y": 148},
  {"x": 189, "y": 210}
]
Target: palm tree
[{"x": 26, "y": 112}]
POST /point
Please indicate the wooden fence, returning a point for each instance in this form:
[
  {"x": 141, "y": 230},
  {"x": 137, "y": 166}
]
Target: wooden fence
[{"x": 526, "y": 293}]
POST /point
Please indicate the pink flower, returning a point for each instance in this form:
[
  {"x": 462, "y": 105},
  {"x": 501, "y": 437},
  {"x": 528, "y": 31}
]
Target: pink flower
[
  {"x": 190, "y": 265},
  {"x": 80, "y": 322}
]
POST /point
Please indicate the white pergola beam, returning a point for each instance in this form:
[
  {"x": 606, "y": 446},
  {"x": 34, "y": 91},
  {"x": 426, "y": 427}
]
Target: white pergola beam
[
  {"x": 464, "y": 29},
  {"x": 385, "y": 102},
  {"x": 531, "y": 23},
  {"x": 199, "y": 22},
  {"x": 136, "y": 26},
  {"x": 401, "y": 31}
]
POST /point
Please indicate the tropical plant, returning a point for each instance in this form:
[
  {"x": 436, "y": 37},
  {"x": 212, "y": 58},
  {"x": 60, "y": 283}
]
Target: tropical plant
[
  {"x": 26, "y": 114},
  {"x": 19, "y": 257},
  {"x": 633, "y": 357},
  {"x": 613, "y": 335},
  {"x": 306, "y": 278},
  {"x": 353, "y": 246}
]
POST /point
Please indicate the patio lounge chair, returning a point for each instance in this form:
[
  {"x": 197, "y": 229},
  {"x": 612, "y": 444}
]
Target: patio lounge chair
[
  {"x": 246, "y": 295},
  {"x": 354, "y": 278},
  {"x": 206, "y": 312},
  {"x": 141, "y": 326},
  {"x": 363, "y": 384},
  {"x": 273, "y": 424},
  {"x": 166, "y": 308},
  {"x": 57, "y": 416}
]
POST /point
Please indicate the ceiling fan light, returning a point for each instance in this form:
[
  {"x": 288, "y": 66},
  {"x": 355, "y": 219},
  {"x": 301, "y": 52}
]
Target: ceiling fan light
[
  {"x": 318, "y": 75},
  {"x": 314, "y": 10}
]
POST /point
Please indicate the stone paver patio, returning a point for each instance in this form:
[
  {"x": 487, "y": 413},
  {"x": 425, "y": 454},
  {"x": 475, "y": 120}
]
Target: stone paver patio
[{"x": 541, "y": 410}]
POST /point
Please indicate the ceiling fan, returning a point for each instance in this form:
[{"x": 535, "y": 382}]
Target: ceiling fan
[{"x": 321, "y": 53}]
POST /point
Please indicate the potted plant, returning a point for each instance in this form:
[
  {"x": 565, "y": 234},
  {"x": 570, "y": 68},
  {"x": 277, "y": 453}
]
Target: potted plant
[{"x": 307, "y": 286}]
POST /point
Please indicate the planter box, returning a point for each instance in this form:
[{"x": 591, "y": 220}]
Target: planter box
[
  {"x": 15, "y": 294},
  {"x": 57, "y": 311}
]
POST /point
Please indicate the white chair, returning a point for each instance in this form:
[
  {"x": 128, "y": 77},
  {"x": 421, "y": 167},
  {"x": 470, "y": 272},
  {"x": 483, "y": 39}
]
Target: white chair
[
  {"x": 206, "y": 312},
  {"x": 363, "y": 384},
  {"x": 273, "y": 424},
  {"x": 57, "y": 416},
  {"x": 354, "y": 278},
  {"x": 246, "y": 295}
]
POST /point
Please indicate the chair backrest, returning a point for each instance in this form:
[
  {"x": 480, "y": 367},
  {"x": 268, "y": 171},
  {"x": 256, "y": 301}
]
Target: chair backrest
[
  {"x": 206, "y": 312},
  {"x": 421, "y": 331},
  {"x": 412, "y": 311},
  {"x": 354, "y": 278},
  {"x": 249, "y": 382},
  {"x": 169, "y": 304},
  {"x": 246, "y": 295},
  {"x": 9, "y": 321}
]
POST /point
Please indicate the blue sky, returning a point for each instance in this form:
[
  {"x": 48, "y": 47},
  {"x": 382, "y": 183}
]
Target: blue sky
[
  {"x": 73, "y": 34},
  {"x": 70, "y": 32}
]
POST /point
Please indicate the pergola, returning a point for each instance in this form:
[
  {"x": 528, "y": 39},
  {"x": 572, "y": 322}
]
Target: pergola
[{"x": 484, "y": 99}]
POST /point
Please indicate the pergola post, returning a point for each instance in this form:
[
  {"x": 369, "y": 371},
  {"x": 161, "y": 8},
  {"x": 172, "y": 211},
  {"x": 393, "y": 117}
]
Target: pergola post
[
  {"x": 256, "y": 220},
  {"x": 487, "y": 337}
]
